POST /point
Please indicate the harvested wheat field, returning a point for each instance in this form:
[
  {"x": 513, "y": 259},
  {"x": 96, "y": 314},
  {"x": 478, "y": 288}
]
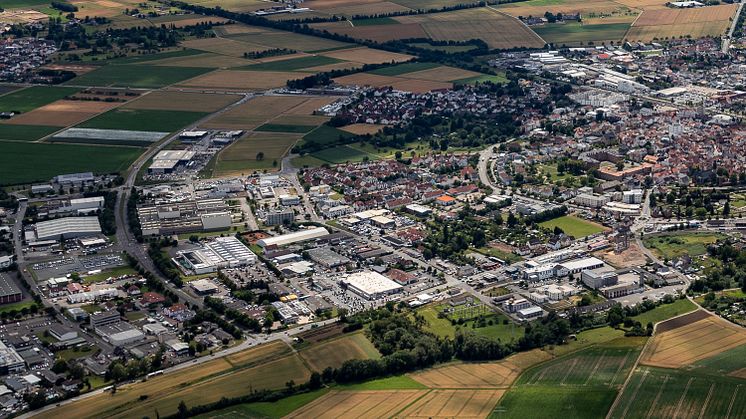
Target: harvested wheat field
[
  {"x": 497, "y": 29},
  {"x": 701, "y": 337},
  {"x": 454, "y": 403},
  {"x": 661, "y": 32},
  {"x": 358, "y": 404},
  {"x": 376, "y": 33},
  {"x": 182, "y": 101},
  {"x": 78, "y": 69},
  {"x": 645, "y": 4},
  {"x": 362, "y": 129},
  {"x": 367, "y": 55},
  {"x": 442, "y": 74},
  {"x": 255, "y": 112},
  {"x": 585, "y": 7},
  {"x": 668, "y": 23},
  {"x": 420, "y": 86},
  {"x": 63, "y": 113},
  {"x": 223, "y": 46},
  {"x": 206, "y": 60},
  {"x": 241, "y": 80},
  {"x": 366, "y": 79}
]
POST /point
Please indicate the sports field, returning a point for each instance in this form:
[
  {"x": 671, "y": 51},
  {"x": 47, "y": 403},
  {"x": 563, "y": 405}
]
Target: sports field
[
  {"x": 668, "y": 393},
  {"x": 673, "y": 245},
  {"x": 146, "y": 76},
  {"x": 694, "y": 337},
  {"x": 574, "y": 226},
  {"x": 49, "y": 160}
]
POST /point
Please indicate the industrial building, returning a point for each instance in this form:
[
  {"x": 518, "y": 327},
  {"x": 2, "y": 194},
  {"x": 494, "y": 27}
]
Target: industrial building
[
  {"x": 279, "y": 217},
  {"x": 295, "y": 237},
  {"x": 68, "y": 227},
  {"x": 77, "y": 206},
  {"x": 74, "y": 179},
  {"x": 120, "y": 334},
  {"x": 221, "y": 252},
  {"x": 10, "y": 361},
  {"x": 327, "y": 257},
  {"x": 371, "y": 285},
  {"x": 613, "y": 284},
  {"x": 184, "y": 217},
  {"x": 203, "y": 287},
  {"x": 9, "y": 291},
  {"x": 167, "y": 161},
  {"x": 105, "y": 318}
]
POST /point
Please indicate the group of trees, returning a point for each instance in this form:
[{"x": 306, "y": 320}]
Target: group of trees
[
  {"x": 238, "y": 317},
  {"x": 730, "y": 272},
  {"x": 272, "y": 52},
  {"x": 163, "y": 262},
  {"x": 691, "y": 202}
]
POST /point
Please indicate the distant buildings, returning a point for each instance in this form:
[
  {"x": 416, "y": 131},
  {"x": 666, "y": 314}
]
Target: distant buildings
[{"x": 184, "y": 217}]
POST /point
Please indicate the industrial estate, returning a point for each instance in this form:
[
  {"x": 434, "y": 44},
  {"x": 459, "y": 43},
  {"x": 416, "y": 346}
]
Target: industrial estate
[{"x": 368, "y": 208}]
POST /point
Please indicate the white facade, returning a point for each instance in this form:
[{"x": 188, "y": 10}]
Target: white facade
[{"x": 296, "y": 237}]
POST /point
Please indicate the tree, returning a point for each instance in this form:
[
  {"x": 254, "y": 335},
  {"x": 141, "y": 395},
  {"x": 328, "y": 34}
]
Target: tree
[
  {"x": 260, "y": 156},
  {"x": 615, "y": 316},
  {"x": 183, "y": 410}
]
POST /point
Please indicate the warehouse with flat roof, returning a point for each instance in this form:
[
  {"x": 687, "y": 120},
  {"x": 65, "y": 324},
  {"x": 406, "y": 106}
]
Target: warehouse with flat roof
[
  {"x": 68, "y": 227},
  {"x": 295, "y": 237},
  {"x": 371, "y": 285},
  {"x": 9, "y": 291}
]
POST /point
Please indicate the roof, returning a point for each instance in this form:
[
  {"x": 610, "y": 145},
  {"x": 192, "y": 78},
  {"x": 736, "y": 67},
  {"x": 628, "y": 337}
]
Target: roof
[
  {"x": 371, "y": 283},
  {"x": 8, "y": 287},
  {"x": 52, "y": 229},
  {"x": 584, "y": 263},
  {"x": 445, "y": 198},
  {"x": 295, "y": 237}
]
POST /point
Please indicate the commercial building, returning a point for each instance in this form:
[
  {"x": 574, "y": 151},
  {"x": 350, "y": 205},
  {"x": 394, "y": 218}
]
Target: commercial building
[
  {"x": 591, "y": 200},
  {"x": 578, "y": 265},
  {"x": 295, "y": 237},
  {"x": 184, "y": 217},
  {"x": 68, "y": 227},
  {"x": 632, "y": 197},
  {"x": 9, "y": 291},
  {"x": 203, "y": 287},
  {"x": 418, "y": 210},
  {"x": 6, "y": 261},
  {"x": 10, "y": 361},
  {"x": 167, "y": 161},
  {"x": 327, "y": 257},
  {"x": 74, "y": 179},
  {"x": 220, "y": 253},
  {"x": 95, "y": 295},
  {"x": 105, "y": 318},
  {"x": 120, "y": 334},
  {"x": 78, "y": 206},
  {"x": 597, "y": 278},
  {"x": 371, "y": 285},
  {"x": 279, "y": 217},
  {"x": 530, "y": 313}
]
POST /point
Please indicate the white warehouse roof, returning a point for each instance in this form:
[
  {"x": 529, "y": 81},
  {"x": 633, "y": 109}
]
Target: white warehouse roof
[
  {"x": 371, "y": 283},
  {"x": 67, "y": 227},
  {"x": 296, "y": 237}
]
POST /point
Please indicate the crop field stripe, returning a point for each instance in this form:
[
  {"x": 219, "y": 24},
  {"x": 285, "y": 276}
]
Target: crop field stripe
[
  {"x": 707, "y": 401},
  {"x": 595, "y": 368},
  {"x": 683, "y": 397},
  {"x": 413, "y": 402},
  {"x": 567, "y": 373},
  {"x": 657, "y": 398},
  {"x": 621, "y": 366},
  {"x": 732, "y": 401},
  {"x": 634, "y": 395}
]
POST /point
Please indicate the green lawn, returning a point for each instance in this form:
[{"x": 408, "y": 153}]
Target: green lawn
[
  {"x": 442, "y": 326},
  {"x": 324, "y": 134},
  {"x": 103, "y": 276},
  {"x": 33, "y": 97},
  {"x": 276, "y": 409},
  {"x": 143, "y": 120},
  {"x": 574, "y": 226},
  {"x": 23, "y": 162},
  {"x": 74, "y": 353},
  {"x": 405, "y": 68},
  {"x": 552, "y": 402},
  {"x": 342, "y": 154},
  {"x": 502, "y": 255},
  {"x": 141, "y": 58},
  {"x": 137, "y": 76},
  {"x": 25, "y": 132},
  {"x": 13, "y": 4},
  {"x": 665, "y": 311},
  {"x": 6, "y": 308},
  {"x": 293, "y": 64},
  {"x": 575, "y": 33},
  {"x": 301, "y": 129},
  {"x": 673, "y": 245}
]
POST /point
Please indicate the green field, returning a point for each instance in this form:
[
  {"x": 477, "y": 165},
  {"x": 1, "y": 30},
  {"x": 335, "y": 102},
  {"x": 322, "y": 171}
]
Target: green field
[
  {"x": 142, "y": 58},
  {"x": 405, "y": 68},
  {"x": 143, "y": 120},
  {"x": 276, "y": 409},
  {"x": 25, "y": 132},
  {"x": 333, "y": 353},
  {"x": 300, "y": 129},
  {"x": 103, "y": 276},
  {"x": 241, "y": 156},
  {"x": 13, "y": 4},
  {"x": 481, "y": 79},
  {"x": 665, "y": 311},
  {"x": 33, "y": 97},
  {"x": 148, "y": 76},
  {"x": 324, "y": 134},
  {"x": 442, "y": 326},
  {"x": 7, "y": 308},
  {"x": 582, "y": 384},
  {"x": 575, "y": 33},
  {"x": 23, "y": 162},
  {"x": 723, "y": 363},
  {"x": 342, "y": 154},
  {"x": 374, "y": 21},
  {"x": 667, "y": 393},
  {"x": 574, "y": 226},
  {"x": 673, "y": 245},
  {"x": 293, "y": 64}
]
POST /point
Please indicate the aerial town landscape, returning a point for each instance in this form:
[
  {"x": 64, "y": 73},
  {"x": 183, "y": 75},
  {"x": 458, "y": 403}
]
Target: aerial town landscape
[{"x": 372, "y": 208}]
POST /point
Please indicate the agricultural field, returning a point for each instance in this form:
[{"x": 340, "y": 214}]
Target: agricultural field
[
  {"x": 414, "y": 77},
  {"x": 495, "y": 28},
  {"x": 257, "y": 151},
  {"x": 588, "y": 9},
  {"x": 143, "y": 119},
  {"x": 144, "y": 76},
  {"x": 342, "y": 154},
  {"x": 293, "y": 64},
  {"x": 182, "y": 101},
  {"x": 667, "y": 393},
  {"x": 241, "y": 80},
  {"x": 665, "y": 312},
  {"x": 284, "y": 110},
  {"x": 25, "y": 132},
  {"x": 691, "y": 338},
  {"x": 49, "y": 160},
  {"x": 391, "y": 31},
  {"x": 272, "y": 410},
  {"x": 574, "y": 33},
  {"x": 695, "y": 23},
  {"x": 264, "y": 38},
  {"x": 581, "y": 384},
  {"x": 454, "y": 403},
  {"x": 30, "y": 98},
  {"x": 365, "y": 55},
  {"x": 107, "y": 137},
  {"x": 574, "y": 226},
  {"x": 359, "y": 404},
  {"x": 334, "y": 352},
  {"x": 362, "y": 129},
  {"x": 63, "y": 113},
  {"x": 673, "y": 245}
]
